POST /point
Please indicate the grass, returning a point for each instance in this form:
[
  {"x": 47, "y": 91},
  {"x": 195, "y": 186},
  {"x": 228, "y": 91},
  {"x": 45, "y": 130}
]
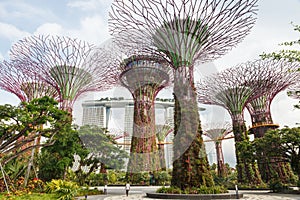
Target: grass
[
  {"x": 33, "y": 196},
  {"x": 44, "y": 196}
]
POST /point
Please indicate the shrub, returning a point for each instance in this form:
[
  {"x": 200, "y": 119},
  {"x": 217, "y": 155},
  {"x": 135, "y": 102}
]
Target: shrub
[
  {"x": 66, "y": 190},
  {"x": 162, "y": 178},
  {"x": 169, "y": 190},
  {"x": 193, "y": 190}
]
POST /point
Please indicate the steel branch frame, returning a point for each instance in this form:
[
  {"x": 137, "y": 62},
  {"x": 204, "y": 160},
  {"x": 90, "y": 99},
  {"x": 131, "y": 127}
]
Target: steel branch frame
[
  {"x": 71, "y": 66},
  {"x": 196, "y": 30},
  {"x": 14, "y": 78}
]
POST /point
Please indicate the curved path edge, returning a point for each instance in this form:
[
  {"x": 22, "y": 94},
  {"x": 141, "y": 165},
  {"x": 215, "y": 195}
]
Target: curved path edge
[{"x": 193, "y": 196}]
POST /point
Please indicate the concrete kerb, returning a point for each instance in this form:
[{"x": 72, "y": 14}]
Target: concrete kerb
[{"x": 194, "y": 196}]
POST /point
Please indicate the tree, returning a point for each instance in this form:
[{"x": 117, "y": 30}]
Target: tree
[
  {"x": 55, "y": 160},
  {"x": 20, "y": 125},
  {"x": 282, "y": 146},
  {"x": 291, "y": 55},
  {"x": 162, "y": 131},
  {"x": 102, "y": 149}
]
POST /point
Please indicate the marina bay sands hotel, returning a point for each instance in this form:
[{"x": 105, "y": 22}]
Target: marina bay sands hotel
[{"x": 98, "y": 112}]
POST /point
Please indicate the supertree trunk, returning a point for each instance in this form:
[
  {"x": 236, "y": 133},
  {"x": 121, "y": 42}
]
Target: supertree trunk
[
  {"x": 217, "y": 132},
  {"x": 246, "y": 166},
  {"x": 190, "y": 166},
  {"x": 161, "y": 152},
  {"x": 144, "y": 76},
  {"x": 222, "y": 172},
  {"x": 143, "y": 151},
  {"x": 162, "y": 132}
]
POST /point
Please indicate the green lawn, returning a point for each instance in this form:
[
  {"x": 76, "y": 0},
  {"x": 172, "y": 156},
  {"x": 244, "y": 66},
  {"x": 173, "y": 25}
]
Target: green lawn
[{"x": 33, "y": 196}]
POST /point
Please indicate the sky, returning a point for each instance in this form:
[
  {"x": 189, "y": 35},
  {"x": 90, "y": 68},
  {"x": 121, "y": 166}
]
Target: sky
[{"x": 88, "y": 20}]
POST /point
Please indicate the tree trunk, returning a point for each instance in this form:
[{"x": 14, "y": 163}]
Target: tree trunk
[
  {"x": 161, "y": 150},
  {"x": 248, "y": 173},
  {"x": 220, "y": 159},
  {"x": 190, "y": 164},
  {"x": 143, "y": 152}
]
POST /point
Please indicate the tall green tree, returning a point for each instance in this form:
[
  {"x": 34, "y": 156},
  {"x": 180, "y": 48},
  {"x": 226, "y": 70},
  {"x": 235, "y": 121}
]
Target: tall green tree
[
  {"x": 282, "y": 146},
  {"x": 21, "y": 125},
  {"x": 103, "y": 152},
  {"x": 55, "y": 160}
]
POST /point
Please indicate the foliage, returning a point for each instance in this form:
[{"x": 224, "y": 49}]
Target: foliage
[
  {"x": 15, "y": 168},
  {"x": 141, "y": 178},
  {"x": 103, "y": 152},
  {"x": 66, "y": 190},
  {"x": 162, "y": 177},
  {"x": 170, "y": 190},
  {"x": 54, "y": 160},
  {"x": 287, "y": 54},
  {"x": 20, "y": 125},
  {"x": 102, "y": 145},
  {"x": 228, "y": 181},
  {"x": 193, "y": 190},
  {"x": 96, "y": 179},
  {"x": 291, "y": 55},
  {"x": 285, "y": 145},
  {"x": 32, "y": 196},
  {"x": 87, "y": 191}
]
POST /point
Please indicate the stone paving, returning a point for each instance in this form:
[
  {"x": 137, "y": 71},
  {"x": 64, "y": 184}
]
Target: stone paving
[{"x": 247, "y": 196}]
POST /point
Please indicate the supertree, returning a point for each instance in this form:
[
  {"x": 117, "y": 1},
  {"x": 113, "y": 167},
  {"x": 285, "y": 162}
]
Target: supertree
[
  {"x": 231, "y": 90},
  {"x": 162, "y": 131},
  {"x": 183, "y": 32},
  {"x": 71, "y": 66},
  {"x": 278, "y": 75},
  {"x": 24, "y": 84},
  {"x": 144, "y": 76},
  {"x": 217, "y": 133}
]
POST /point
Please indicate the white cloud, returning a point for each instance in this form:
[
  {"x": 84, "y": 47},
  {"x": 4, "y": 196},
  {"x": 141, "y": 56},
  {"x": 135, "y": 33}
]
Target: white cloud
[
  {"x": 1, "y": 57},
  {"x": 89, "y": 5},
  {"x": 24, "y": 10},
  {"x": 94, "y": 29},
  {"x": 11, "y": 32},
  {"x": 283, "y": 111},
  {"x": 49, "y": 29}
]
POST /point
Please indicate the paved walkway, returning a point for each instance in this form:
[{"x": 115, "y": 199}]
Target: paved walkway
[
  {"x": 247, "y": 196},
  {"x": 137, "y": 194}
]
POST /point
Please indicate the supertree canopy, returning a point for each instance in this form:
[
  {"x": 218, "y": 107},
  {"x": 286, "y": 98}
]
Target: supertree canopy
[
  {"x": 71, "y": 66},
  {"x": 144, "y": 77},
  {"x": 231, "y": 90},
  {"x": 217, "y": 133},
  {"x": 278, "y": 75},
  {"x": 24, "y": 84},
  {"x": 183, "y": 32}
]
